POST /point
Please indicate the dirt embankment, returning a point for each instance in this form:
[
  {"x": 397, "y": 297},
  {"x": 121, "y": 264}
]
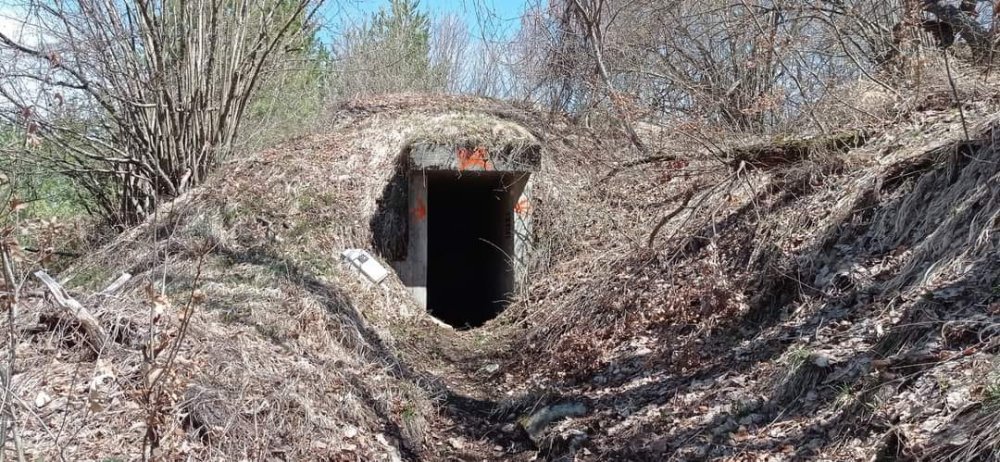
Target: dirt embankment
[{"x": 838, "y": 301}]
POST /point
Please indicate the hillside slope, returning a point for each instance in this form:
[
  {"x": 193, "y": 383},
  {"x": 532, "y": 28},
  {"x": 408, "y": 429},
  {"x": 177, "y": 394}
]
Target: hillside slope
[
  {"x": 799, "y": 300},
  {"x": 840, "y": 303}
]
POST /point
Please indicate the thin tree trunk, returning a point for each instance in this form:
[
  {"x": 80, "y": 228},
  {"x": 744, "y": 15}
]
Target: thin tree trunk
[{"x": 591, "y": 20}]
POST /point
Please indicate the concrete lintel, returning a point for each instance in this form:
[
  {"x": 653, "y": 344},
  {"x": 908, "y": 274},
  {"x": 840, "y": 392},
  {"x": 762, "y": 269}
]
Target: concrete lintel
[{"x": 475, "y": 158}]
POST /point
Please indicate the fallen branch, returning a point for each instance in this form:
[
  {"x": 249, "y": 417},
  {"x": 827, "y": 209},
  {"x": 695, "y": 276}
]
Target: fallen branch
[
  {"x": 115, "y": 286},
  {"x": 90, "y": 324},
  {"x": 788, "y": 151},
  {"x": 634, "y": 163},
  {"x": 664, "y": 220},
  {"x": 58, "y": 253}
]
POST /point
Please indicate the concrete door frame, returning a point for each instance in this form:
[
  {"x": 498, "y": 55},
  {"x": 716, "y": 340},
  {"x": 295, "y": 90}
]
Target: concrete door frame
[{"x": 512, "y": 169}]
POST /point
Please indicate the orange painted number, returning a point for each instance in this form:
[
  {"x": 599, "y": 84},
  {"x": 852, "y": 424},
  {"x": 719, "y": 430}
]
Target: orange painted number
[
  {"x": 476, "y": 159},
  {"x": 420, "y": 211},
  {"x": 523, "y": 206}
]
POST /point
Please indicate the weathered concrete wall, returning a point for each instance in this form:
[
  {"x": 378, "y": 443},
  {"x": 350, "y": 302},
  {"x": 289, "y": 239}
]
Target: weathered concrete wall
[
  {"x": 523, "y": 238},
  {"x": 517, "y": 227},
  {"x": 413, "y": 270},
  {"x": 476, "y": 158}
]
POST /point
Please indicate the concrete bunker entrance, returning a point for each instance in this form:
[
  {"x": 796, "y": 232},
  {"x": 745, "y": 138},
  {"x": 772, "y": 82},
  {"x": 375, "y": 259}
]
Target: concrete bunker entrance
[
  {"x": 455, "y": 223},
  {"x": 469, "y": 246}
]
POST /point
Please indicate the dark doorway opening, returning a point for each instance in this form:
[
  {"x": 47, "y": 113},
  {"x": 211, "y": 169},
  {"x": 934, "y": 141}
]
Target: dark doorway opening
[{"x": 469, "y": 275}]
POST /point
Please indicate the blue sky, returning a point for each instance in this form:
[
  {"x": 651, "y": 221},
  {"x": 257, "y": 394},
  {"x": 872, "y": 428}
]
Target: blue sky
[{"x": 503, "y": 14}]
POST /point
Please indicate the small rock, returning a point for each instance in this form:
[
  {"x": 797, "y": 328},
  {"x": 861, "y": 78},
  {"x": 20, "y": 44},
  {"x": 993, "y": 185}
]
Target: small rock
[
  {"x": 821, "y": 360},
  {"x": 393, "y": 453},
  {"x": 491, "y": 368},
  {"x": 456, "y": 443},
  {"x": 659, "y": 446},
  {"x": 694, "y": 452},
  {"x": 350, "y": 431},
  {"x": 960, "y": 439},
  {"x": 930, "y": 425},
  {"x": 725, "y": 428},
  {"x": 41, "y": 399},
  {"x": 957, "y": 399},
  {"x": 534, "y": 423}
]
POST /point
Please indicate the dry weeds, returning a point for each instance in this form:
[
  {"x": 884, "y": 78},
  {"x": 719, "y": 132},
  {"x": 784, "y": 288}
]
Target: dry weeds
[{"x": 838, "y": 305}]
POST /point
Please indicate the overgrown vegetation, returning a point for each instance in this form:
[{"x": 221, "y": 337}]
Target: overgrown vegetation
[{"x": 761, "y": 229}]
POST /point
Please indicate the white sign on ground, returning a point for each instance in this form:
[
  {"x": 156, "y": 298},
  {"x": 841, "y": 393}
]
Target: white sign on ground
[{"x": 366, "y": 264}]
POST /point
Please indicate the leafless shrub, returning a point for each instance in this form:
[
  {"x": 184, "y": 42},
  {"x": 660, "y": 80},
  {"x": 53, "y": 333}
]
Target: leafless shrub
[
  {"x": 142, "y": 98},
  {"x": 757, "y": 67}
]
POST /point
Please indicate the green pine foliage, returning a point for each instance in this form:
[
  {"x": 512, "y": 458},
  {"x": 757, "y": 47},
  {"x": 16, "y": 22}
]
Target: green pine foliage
[{"x": 389, "y": 53}]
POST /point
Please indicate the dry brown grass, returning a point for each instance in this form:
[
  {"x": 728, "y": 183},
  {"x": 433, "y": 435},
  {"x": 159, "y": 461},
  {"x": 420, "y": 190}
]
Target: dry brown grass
[
  {"x": 290, "y": 355},
  {"x": 857, "y": 237}
]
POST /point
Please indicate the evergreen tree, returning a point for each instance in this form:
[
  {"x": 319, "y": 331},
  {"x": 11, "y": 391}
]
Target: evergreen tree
[{"x": 389, "y": 53}]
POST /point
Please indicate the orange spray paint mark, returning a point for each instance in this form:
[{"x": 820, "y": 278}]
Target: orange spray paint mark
[
  {"x": 420, "y": 211},
  {"x": 523, "y": 206},
  {"x": 475, "y": 159}
]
